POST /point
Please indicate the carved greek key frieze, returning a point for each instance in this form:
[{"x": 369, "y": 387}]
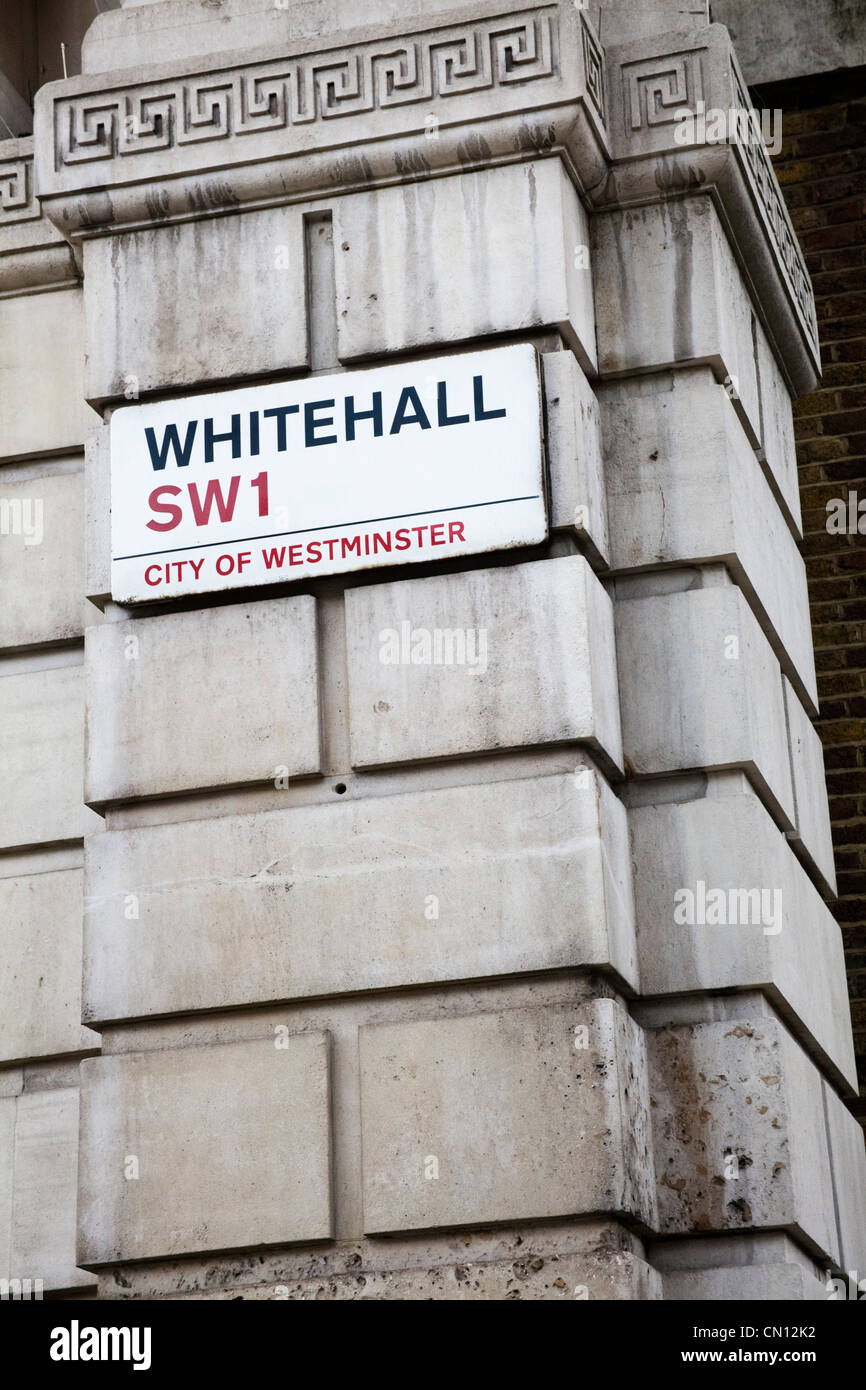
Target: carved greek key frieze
[
  {"x": 667, "y": 89},
  {"x": 17, "y": 203},
  {"x": 655, "y": 90},
  {"x": 503, "y": 52},
  {"x": 593, "y": 70},
  {"x": 765, "y": 184}
]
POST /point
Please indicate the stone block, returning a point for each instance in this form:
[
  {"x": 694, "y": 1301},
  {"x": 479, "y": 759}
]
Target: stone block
[
  {"x": 45, "y": 1159},
  {"x": 684, "y": 486},
  {"x": 738, "y": 1133},
  {"x": 218, "y": 697},
  {"x": 432, "y": 262},
  {"x": 668, "y": 292},
  {"x": 781, "y": 938},
  {"x": 165, "y": 323},
  {"x": 40, "y": 966},
  {"x": 700, "y": 688},
  {"x": 42, "y": 406},
  {"x": 41, "y": 559},
  {"x": 41, "y": 749},
  {"x": 813, "y": 836},
  {"x": 544, "y": 670},
  {"x": 528, "y": 1113},
  {"x": 778, "y": 451},
  {"x": 577, "y": 495},
  {"x": 780, "y": 1283},
  {"x": 7, "y": 1165},
  {"x": 230, "y": 1144},
  {"x": 848, "y": 1161},
  {"x": 97, "y": 514},
  {"x": 462, "y": 883},
  {"x": 591, "y": 1261}
]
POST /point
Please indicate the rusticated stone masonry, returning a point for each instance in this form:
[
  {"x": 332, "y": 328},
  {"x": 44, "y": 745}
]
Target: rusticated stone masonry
[
  {"x": 821, "y": 169},
  {"x": 513, "y": 976}
]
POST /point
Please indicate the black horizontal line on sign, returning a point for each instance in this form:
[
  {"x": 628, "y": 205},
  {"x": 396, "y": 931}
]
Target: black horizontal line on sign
[{"x": 337, "y": 526}]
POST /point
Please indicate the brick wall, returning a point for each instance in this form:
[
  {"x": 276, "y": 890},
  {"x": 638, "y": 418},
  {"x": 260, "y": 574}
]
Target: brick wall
[{"x": 822, "y": 170}]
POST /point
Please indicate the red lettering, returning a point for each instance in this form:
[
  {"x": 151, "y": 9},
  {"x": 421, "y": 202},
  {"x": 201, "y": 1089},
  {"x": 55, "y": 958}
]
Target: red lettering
[
  {"x": 261, "y": 484},
  {"x": 274, "y": 558},
  {"x": 455, "y": 530},
  {"x": 214, "y": 493},
  {"x": 157, "y": 506}
]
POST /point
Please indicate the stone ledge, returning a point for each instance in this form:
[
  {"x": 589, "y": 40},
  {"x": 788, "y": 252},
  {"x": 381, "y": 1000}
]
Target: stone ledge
[{"x": 533, "y": 1261}]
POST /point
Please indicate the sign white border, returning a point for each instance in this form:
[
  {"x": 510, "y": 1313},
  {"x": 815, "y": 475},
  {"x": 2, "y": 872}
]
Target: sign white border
[{"x": 412, "y": 462}]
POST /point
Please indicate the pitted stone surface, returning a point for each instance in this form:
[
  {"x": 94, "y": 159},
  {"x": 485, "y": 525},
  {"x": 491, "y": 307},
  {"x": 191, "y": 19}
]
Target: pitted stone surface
[
  {"x": 521, "y": 1114},
  {"x": 738, "y": 1132}
]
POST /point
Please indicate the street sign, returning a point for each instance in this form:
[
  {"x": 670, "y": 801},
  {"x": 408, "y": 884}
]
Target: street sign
[{"x": 397, "y": 465}]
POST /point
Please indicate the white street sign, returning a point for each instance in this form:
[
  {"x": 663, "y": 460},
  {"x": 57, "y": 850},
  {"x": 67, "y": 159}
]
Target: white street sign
[{"x": 413, "y": 462}]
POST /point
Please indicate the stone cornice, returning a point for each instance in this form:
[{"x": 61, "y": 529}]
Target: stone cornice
[
  {"x": 652, "y": 86},
  {"x": 33, "y": 253},
  {"x": 475, "y": 89}
]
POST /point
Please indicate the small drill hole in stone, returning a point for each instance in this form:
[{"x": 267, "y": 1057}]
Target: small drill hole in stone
[{"x": 340, "y": 788}]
